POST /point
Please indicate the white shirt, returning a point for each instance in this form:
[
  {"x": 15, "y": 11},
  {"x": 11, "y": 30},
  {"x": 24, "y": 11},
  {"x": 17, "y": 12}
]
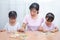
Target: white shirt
[{"x": 10, "y": 28}]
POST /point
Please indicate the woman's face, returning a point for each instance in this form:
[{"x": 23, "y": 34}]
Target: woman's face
[{"x": 33, "y": 12}]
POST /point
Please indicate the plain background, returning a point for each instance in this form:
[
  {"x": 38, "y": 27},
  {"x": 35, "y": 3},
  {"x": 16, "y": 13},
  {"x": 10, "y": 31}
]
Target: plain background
[{"x": 22, "y": 8}]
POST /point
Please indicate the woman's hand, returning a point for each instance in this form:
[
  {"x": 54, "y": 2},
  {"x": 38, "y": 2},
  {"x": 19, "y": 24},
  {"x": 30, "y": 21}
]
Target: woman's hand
[{"x": 40, "y": 29}]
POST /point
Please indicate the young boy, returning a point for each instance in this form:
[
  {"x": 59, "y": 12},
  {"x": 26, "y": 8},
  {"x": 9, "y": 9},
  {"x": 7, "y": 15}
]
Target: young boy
[
  {"x": 48, "y": 25},
  {"x": 12, "y": 25}
]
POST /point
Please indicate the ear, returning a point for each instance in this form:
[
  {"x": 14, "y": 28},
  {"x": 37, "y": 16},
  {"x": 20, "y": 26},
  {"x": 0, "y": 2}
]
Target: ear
[{"x": 37, "y": 12}]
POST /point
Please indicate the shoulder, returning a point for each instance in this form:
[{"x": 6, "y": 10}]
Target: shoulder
[
  {"x": 54, "y": 24},
  {"x": 17, "y": 23},
  {"x": 42, "y": 20},
  {"x": 43, "y": 24},
  {"x": 7, "y": 24}
]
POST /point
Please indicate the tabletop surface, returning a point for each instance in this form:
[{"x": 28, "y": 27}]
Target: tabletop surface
[{"x": 29, "y": 35}]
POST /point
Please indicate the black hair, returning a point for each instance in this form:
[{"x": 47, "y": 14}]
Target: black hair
[
  {"x": 12, "y": 14},
  {"x": 50, "y": 17},
  {"x": 34, "y": 5}
]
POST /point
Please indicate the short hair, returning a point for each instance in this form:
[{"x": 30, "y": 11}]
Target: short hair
[
  {"x": 12, "y": 14},
  {"x": 34, "y": 5},
  {"x": 50, "y": 17}
]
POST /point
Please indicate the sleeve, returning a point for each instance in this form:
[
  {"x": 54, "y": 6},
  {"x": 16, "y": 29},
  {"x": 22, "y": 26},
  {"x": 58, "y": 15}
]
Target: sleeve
[
  {"x": 42, "y": 20},
  {"x": 43, "y": 24},
  {"x": 55, "y": 26},
  {"x": 25, "y": 19},
  {"x": 5, "y": 28},
  {"x": 18, "y": 26}
]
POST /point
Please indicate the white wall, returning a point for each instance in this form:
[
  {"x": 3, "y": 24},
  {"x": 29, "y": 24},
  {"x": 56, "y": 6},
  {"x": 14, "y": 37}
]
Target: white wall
[
  {"x": 7, "y": 5},
  {"x": 22, "y": 8}
]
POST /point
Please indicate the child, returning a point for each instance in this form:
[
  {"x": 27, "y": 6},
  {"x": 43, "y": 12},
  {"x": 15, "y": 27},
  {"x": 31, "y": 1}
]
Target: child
[
  {"x": 48, "y": 25},
  {"x": 12, "y": 25}
]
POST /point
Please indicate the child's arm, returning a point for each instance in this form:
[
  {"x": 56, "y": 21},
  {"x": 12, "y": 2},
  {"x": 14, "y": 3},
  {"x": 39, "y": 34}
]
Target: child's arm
[
  {"x": 55, "y": 30},
  {"x": 3, "y": 30}
]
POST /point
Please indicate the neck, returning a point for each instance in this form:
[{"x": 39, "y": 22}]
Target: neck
[
  {"x": 12, "y": 24},
  {"x": 34, "y": 16},
  {"x": 49, "y": 25}
]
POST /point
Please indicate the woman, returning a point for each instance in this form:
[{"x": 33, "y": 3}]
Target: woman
[{"x": 32, "y": 21}]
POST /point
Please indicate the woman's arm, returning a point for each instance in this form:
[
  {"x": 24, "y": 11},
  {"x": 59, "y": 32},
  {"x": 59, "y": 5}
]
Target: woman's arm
[
  {"x": 41, "y": 29},
  {"x": 23, "y": 28}
]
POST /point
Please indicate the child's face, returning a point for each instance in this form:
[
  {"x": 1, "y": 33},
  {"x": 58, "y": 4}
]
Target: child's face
[
  {"x": 33, "y": 12},
  {"x": 12, "y": 20},
  {"x": 48, "y": 23}
]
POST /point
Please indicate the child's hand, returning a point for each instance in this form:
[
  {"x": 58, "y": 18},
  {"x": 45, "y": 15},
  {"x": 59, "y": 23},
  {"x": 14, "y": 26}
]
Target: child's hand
[
  {"x": 45, "y": 30},
  {"x": 54, "y": 30},
  {"x": 2, "y": 30},
  {"x": 21, "y": 30}
]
